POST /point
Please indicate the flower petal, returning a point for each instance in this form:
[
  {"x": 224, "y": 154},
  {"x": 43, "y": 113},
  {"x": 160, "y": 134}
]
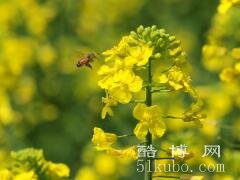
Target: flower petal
[
  {"x": 141, "y": 131},
  {"x": 139, "y": 111},
  {"x": 158, "y": 129}
]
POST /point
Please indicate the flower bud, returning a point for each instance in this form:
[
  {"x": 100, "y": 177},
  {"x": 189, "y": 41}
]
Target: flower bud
[
  {"x": 157, "y": 55},
  {"x": 154, "y": 27},
  {"x": 175, "y": 44},
  {"x": 134, "y": 34},
  {"x": 140, "y": 29},
  {"x": 172, "y": 38}
]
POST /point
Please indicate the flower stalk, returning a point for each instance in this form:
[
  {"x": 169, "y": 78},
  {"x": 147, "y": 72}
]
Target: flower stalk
[{"x": 148, "y": 174}]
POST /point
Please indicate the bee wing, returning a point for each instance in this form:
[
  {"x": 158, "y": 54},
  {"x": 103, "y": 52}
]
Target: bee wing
[{"x": 79, "y": 53}]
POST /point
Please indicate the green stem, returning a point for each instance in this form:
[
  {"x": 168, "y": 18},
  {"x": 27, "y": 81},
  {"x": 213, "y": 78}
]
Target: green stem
[
  {"x": 138, "y": 101},
  {"x": 172, "y": 117},
  {"x": 125, "y": 135},
  {"x": 161, "y": 90},
  {"x": 148, "y": 174}
]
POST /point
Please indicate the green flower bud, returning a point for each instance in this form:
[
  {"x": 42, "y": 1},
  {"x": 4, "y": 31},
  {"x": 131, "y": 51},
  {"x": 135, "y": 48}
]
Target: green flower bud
[
  {"x": 147, "y": 30},
  {"x": 175, "y": 52},
  {"x": 172, "y": 38},
  {"x": 134, "y": 34},
  {"x": 140, "y": 29},
  {"x": 146, "y": 33},
  {"x": 157, "y": 55},
  {"x": 154, "y": 35},
  {"x": 159, "y": 42},
  {"x": 149, "y": 43},
  {"x": 162, "y": 31},
  {"x": 154, "y": 27},
  {"x": 175, "y": 44}
]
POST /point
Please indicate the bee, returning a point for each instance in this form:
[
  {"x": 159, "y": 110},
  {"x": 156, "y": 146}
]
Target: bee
[{"x": 86, "y": 60}]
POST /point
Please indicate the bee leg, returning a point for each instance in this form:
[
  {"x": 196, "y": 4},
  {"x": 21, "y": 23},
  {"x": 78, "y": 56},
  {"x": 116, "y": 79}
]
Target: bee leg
[{"x": 89, "y": 65}]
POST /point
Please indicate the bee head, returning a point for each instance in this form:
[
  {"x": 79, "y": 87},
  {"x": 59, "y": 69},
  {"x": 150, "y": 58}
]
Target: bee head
[{"x": 78, "y": 64}]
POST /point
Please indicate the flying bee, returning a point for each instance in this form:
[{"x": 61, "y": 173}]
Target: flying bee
[{"x": 86, "y": 60}]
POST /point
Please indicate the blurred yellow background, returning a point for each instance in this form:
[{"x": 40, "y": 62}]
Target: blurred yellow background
[{"x": 47, "y": 103}]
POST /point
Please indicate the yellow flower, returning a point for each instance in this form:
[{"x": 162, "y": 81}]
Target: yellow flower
[
  {"x": 227, "y": 74},
  {"x": 58, "y": 170},
  {"x": 105, "y": 70},
  {"x": 5, "y": 174},
  {"x": 103, "y": 140},
  {"x": 130, "y": 152},
  {"x": 139, "y": 55},
  {"x": 26, "y": 176},
  {"x": 175, "y": 79},
  {"x": 105, "y": 164},
  {"x": 212, "y": 55},
  {"x": 118, "y": 78},
  {"x": 224, "y": 6},
  {"x": 108, "y": 74},
  {"x": 193, "y": 113},
  {"x": 86, "y": 173},
  {"x": 121, "y": 85},
  {"x": 120, "y": 51},
  {"x": 236, "y": 53},
  {"x": 237, "y": 67},
  {"x": 130, "y": 51},
  {"x": 109, "y": 101},
  {"x": 149, "y": 120}
]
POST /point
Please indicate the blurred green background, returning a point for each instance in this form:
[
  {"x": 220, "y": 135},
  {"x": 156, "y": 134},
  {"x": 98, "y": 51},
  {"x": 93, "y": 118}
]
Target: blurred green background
[{"x": 47, "y": 103}]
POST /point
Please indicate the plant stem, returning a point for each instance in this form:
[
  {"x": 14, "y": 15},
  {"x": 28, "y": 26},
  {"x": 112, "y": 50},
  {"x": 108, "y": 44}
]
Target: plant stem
[
  {"x": 125, "y": 135},
  {"x": 172, "y": 117},
  {"x": 148, "y": 172}
]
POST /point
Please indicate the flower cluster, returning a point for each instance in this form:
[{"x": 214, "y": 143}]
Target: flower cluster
[
  {"x": 228, "y": 74},
  {"x": 30, "y": 164},
  {"x": 127, "y": 71},
  {"x": 221, "y": 55},
  {"x": 118, "y": 77},
  {"x": 175, "y": 80},
  {"x": 222, "y": 52}
]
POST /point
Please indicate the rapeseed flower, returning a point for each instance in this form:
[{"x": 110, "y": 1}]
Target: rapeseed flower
[
  {"x": 103, "y": 140},
  {"x": 175, "y": 79},
  {"x": 149, "y": 120},
  {"x": 26, "y": 176},
  {"x": 5, "y": 174},
  {"x": 236, "y": 53},
  {"x": 59, "y": 170},
  {"x": 130, "y": 152},
  {"x": 228, "y": 74},
  {"x": 225, "y": 5},
  {"x": 237, "y": 67},
  {"x": 109, "y": 102},
  {"x": 119, "y": 86},
  {"x": 193, "y": 114}
]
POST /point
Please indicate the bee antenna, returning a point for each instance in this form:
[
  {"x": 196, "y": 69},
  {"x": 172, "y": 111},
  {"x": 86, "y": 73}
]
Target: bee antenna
[{"x": 97, "y": 53}]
